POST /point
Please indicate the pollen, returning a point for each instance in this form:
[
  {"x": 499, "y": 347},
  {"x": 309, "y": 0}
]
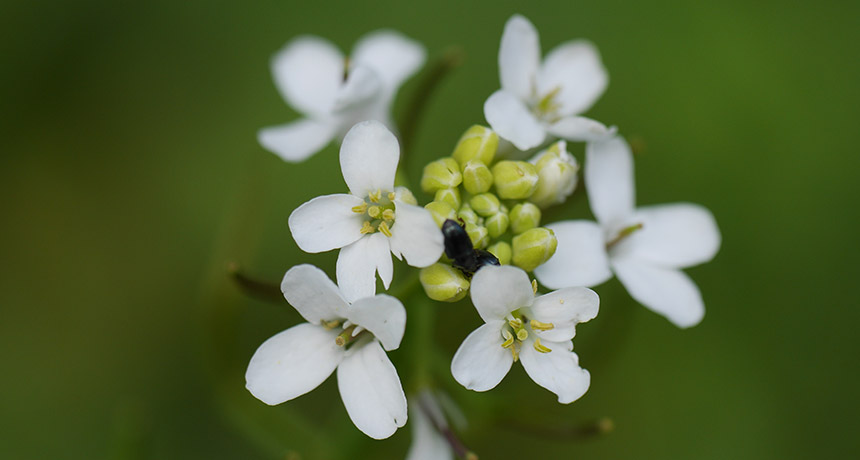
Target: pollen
[
  {"x": 360, "y": 208},
  {"x": 509, "y": 338},
  {"x": 388, "y": 214},
  {"x": 367, "y": 228},
  {"x": 534, "y": 286},
  {"x": 391, "y": 196},
  {"x": 375, "y": 196}
]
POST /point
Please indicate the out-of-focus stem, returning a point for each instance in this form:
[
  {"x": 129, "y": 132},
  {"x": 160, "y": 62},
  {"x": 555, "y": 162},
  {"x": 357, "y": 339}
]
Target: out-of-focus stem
[
  {"x": 451, "y": 59},
  {"x": 460, "y": 449},
  {"x": 253, "y": 287}
]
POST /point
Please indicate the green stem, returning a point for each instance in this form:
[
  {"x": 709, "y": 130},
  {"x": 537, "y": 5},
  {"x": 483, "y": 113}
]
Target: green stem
[
  {"x": 451, "y": 59},
  {"x": 253, "y": 287}
]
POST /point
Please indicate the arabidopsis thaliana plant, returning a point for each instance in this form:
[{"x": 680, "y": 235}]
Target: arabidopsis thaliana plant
[
  {"x": 351, "y": 338},
  {"x": 545, "y": 97},
  {"x": 646, "y": 247},
  {"x": 519, "y": 326},
  {"x": 371, "y": 221},
  {"x": 333, "y": 92}
]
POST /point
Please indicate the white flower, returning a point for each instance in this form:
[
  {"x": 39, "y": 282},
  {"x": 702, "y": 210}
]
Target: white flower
[
  {"x": 371, "y": 221},
  {"x": 334, "y": 93},
  {"x": 539, "y": 98},
  {"x": 427, "y": 442},
  {"x": 519, "y": 326},
  {"x": 338, "y": 335},
  {"x": 645, "y": 247},
  {"x": 557, "y": 170}
]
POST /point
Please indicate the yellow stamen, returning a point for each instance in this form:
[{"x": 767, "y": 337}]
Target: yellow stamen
[
  {"x": 515, "y": 353},
  {"x": 547, "y": 104},
  {"x": 535, "y": 324},
  {"x": 330, "y": 324},
  {"x": 345, "y": 337},
  {"x": 540, "y": 347},
  {"x": 388, "y": 214},
  {"x": 391, "y": 196},
  {"x": 509, "y": 338},
  {"x": 375, "y": 196},
  {"x": 383, "y": 227},
  {"x": 360, "y": 208},
  {"x": 374, "y": 211},
  {"x": 534, "y": 286},
  {"x": 516, "y": 323},
  {"x": 367, "y": 228}
]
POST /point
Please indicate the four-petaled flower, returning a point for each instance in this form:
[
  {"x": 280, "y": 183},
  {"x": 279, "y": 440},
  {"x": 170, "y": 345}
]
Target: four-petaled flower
[
  {"x": 519, "y": 326},
  {"x": 334, "y": 93},
  {"x": 539, "y": 98},
  {"x": 371, "y": 221},
  {"x": 645, "y": 247},
  {"x": 338, "y": 335}
]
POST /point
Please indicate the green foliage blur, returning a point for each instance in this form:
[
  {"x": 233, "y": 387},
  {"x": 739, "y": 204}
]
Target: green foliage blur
[{"x": 131, "y": 177}]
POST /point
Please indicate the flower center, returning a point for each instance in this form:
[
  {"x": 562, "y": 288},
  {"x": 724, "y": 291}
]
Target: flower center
[
  {"x": 351, "y": 332},
  {"x": 622, "y": 234},
  {"x": 378, "y": 211},
  {"x": 546, "y": 108},
  {"x": 516, "y": 331}
]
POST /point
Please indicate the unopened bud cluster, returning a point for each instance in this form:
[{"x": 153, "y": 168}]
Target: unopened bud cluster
[{"x": 498, "y": 202}]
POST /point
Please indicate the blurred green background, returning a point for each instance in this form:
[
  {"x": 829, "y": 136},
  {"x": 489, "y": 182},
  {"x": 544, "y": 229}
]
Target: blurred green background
[{"x": 131, "y": 175}]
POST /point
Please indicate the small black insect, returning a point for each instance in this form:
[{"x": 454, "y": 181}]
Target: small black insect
[{"x": 458, "y": 248}]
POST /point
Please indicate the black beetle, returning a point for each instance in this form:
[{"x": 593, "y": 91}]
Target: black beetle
[{"x": 458, "y": 248}]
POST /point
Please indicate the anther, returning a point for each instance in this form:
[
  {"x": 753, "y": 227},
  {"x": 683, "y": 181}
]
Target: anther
[
  {"x": 534, "y": 286},
  {"x": 388, "y": 214},
  {"x": 383, "y": 227},
  {"x": 360, "y": 208},
  {"x": 540, "y": 347},
  {"x": 330, "y": 324},
  {"x": 374, "y": 211},
  {"x": 391, "y": 196},
  {"x": 535, "y": 324},
  {"x": 345, "y": 337},
  {"x": 367, "y": 228},
  {"x": 375, "y": 196},
  {"x": 509, "y": 338},
  {"x": 516, "y": 323}
]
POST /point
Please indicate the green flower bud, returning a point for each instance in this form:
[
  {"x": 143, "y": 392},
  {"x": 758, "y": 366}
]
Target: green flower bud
[
  {"x": 497, "y": 224},
  {"x": 514, "y": 180},
  {"x": 524, "y": 216},
  {"x": 442, "y": 173},
  {"x": 467, "y": 214},
  {"x": 477, "y": 143},
  {"x": 450, "y": 196},
  {"x": 477, "y": 177},
  {"x": 533, "y": 248},
  {"x": 443, "y": 282},
  {"x": 557, "y": 175},
  {"x": 478, "y": 234},
  {"x": 485, "y": 204},
  {"x": 502, "y": 251},
  {"x": 441, "y": 211},
  {"x": 405, "y": 195}
]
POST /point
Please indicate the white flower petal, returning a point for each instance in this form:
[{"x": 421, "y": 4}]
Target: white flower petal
[
  {"x": 667, "y": 291},
  {"x": 558, "y": 371},
  {"x": 580, "y": 258},
  {"x": 481, "y": 363},
  {"x": 580, "y": 129},
  {"x": 393, "y": 57},
  {"x": 358, "y": 263},
  {"x": 371, "y": 391},
  {"x": 511, "y": 119},
  {"x": 297, "y": 140},
  {"x": 326, "y": 222},
  {"x": 382, "y": 315},
  {"x": 575, "y": 68},
  {"x": 361, "y": 87},
  {"x": 415, "y": 235},
  {"x": 310, "y": 291},
  {"x": 292, "y": 363},
  {"x": 565, "y": 308},
  {"x": 308, "y": 72},
  {"x": 673, "y": 235},
  {"x": 519, "y": 57},
  {"x": 609, "y": 182},
  {"x": 498, "y": 290},
  {"x": 368, "y": 158},
  {"x": 427, "y": 442}
]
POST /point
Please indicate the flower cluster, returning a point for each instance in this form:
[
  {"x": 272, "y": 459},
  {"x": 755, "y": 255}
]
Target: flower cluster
[{"x": 482, "y": 235}]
